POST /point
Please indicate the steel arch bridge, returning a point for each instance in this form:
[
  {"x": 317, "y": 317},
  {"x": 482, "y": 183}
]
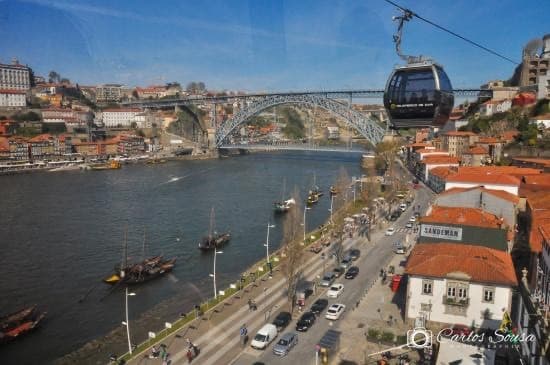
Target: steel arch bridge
[{"x": 366, "y": 126}]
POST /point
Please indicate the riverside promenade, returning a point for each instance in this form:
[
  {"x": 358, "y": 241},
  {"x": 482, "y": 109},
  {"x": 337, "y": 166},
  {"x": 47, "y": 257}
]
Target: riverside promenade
[{"x": 217, "y": 332}]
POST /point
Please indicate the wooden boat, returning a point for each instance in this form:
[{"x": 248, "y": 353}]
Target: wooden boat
[
  {"x": 312, "y": 198},
  {"x": 333, "y": 191},
  {"x": 111, "y": 165},
  {"x": 283, "y": 206},
  {"x": 213, "y": 240},
  {"x": 146, "y": 273},
  {"x": 20, "y": 323}
]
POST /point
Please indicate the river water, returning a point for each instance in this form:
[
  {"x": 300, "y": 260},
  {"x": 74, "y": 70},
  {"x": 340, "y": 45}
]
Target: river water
[{"x": 61, "y": 233}]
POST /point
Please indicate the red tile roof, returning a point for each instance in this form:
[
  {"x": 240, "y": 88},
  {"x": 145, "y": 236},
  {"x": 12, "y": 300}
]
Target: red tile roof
[
  {"x": 477, "y": 150},
  {"x": 498, "y": 193},
  {"x": 509, "y": 135},
  {"x": 442, "y": 171},
  {"x": 541, "y": 219},
  {"x": 439, "y": 159},
  {"x": 430, "y": 150},
  {"x": 475, "y": 217},
  {"x": 41, "y": 138},
  {"x": 481, "y": 264},
  {"x": 542, "y": 180},
  {"x": 477, "y": 178}
]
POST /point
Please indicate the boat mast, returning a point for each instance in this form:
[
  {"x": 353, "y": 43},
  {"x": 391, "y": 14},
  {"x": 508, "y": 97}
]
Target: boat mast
[
  {"x": 210, "y": 231},
  {"x": 143, "y": 248},
  {"x": 284, "y": 190},
  {"x": 124, "y": 254}
]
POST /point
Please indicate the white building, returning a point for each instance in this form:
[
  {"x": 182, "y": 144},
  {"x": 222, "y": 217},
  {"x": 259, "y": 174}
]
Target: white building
[
  {"x": 459, "y": 284},
  {"x": 497, "y": 181},
  {"x": 123, "y": 117},
  {"x": 15, "y": 76},
  {"x": 495, "y": 106},
  {"x": 12, "y": 98}
]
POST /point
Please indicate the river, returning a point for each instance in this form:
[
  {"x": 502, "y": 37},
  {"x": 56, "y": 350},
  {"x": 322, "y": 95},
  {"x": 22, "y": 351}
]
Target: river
[{"x": 61, "y": 233}]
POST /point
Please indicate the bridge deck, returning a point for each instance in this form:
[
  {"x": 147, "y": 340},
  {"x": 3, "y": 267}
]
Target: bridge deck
[{"x": 291, "y": 147}]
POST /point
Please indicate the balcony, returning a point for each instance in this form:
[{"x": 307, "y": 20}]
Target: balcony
[{"x": 455, "y": 301}]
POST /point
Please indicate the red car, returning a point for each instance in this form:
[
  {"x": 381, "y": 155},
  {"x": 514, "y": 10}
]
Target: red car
[{"x": 460, "y": 329}]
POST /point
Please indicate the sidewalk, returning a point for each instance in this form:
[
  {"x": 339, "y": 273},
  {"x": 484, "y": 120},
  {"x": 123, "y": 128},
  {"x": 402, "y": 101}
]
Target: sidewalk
[{"x": 217, "y": 333}]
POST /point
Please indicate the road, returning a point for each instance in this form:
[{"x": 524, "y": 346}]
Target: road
[{"x": 374, "y": 256}]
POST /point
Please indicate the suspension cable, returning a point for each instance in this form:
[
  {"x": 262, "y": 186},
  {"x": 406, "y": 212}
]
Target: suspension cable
[{"x": 451, "y": 32}]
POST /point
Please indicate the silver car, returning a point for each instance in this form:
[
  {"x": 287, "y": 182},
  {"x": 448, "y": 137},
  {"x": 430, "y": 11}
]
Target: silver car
[{"x": 285, "y": 344}]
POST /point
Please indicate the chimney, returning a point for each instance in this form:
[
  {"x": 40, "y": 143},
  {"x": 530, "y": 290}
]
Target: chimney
[{"x": 546, "y": 46}]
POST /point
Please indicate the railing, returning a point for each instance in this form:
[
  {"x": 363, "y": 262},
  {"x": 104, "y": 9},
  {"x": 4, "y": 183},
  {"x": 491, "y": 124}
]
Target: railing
[{"x": 461, "y": 302}]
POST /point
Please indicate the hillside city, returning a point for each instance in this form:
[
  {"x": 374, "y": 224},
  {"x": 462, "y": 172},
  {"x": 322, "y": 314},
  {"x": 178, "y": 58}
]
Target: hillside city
[{"x": 479, "y": 254}]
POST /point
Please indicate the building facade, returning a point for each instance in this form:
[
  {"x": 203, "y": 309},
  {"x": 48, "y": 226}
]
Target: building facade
[
  {"x": 456, "y": 143},
  {"x": 15, "y": 76},
  {"x": 12, "y": 98},
  {"x": 123, "y": 117},
  {"x": 459, "y": 284}
]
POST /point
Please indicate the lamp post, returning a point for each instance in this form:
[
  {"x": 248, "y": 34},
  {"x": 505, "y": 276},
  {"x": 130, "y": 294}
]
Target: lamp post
[
  {"x": 267, "y": 241},
  {"x": 127, "y": 322},
  {"x": 305, "y": 209},
  {"x": 213, "y": 276},
  {"x": 331, "y": 205}
]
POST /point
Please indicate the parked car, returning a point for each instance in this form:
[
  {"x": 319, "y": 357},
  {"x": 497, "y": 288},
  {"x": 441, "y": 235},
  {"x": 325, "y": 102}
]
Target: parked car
[
  {"x": 390, "y": 231},
  {"x": 318, "y": 306},
  {"x": 264, "y": 336},
  {"x": 398, "y": 248},
  {"x": 328, "y": 279},
  {"x": 316, "y": 248},
  {"x": 457, "y": 329},
  {"x": 412, "y": 219},
  {"x": 354, "y": 253},
  {"x": 394, "y": 216},
  {"x": 346, "y": 262},
  {"x": 403, "y": 207},
  {"x": 409, "y": 225},
  {"x": 335, "y": 290},
  {"x": 338, "y": 271},
  {"x": 285, "y": 344},
  {"x": 282, "y": 320},
  {"x": 335, "y": 311},
  {"x": 352, "y": 272},
  {"x": 305, "y": 322}
]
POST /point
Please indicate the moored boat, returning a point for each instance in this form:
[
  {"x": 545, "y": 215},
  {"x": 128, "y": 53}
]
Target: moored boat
[
  {"x": 111, "y": 165},
  {"x": 213, "y": 240},
  {"x": 283, "y": 207},
  {"x": 20, "y": 323},
  {"x": 333, "y": 191}
]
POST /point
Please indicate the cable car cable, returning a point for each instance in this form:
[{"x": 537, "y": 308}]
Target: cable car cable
[{"x": 451, "y": 32}]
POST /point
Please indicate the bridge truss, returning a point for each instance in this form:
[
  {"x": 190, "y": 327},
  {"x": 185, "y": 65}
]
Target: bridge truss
[{"x": 366, "y": 126}]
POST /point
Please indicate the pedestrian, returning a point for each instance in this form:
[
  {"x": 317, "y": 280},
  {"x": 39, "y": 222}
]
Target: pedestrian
[
  {"x": 189, "y": 355},
  {"x": 244, "y": 334}
]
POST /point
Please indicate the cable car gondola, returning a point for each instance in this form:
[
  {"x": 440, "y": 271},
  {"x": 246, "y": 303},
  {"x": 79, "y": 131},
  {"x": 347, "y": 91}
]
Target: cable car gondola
[{"x": 420, "y": 93}]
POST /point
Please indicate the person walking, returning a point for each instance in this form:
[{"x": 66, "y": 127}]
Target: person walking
[{"x": 244, "y": 335}]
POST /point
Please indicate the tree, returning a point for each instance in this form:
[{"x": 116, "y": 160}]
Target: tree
[
  {"x": 53, "y": 77},
  {"x": 133, "y": 125},
  {"x": 342, "y": 184},
  {"x": 65, "y": 80},
  {"x": 293, "y": 248},
  {"x": 387, "y": 151}
]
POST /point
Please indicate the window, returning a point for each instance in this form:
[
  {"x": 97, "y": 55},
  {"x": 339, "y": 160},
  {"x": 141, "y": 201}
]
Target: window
[
  {"x": 427, "y": 286},
  {"x": 457, "y": 290},
  {"x": 451, "y": 291},
  {"x": 488, "y": 295}
]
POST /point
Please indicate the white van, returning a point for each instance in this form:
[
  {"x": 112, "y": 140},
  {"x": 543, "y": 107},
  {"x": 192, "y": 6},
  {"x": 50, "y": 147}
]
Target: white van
[{"x": 265, "y": 335}]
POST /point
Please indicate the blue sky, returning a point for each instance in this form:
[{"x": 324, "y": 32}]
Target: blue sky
[{"x": 261, "y": 45}]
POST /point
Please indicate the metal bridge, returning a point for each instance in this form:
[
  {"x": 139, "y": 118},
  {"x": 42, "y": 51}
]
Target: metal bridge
[
  {"x": 290, "y": 147},
  {"x": 367, "y": 126}
]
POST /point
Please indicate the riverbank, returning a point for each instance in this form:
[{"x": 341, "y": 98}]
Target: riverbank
[{"x": 98, "y": 350}]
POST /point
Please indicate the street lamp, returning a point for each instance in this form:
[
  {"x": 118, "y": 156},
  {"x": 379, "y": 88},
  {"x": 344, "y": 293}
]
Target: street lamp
[
  {"x": 304, "y": 224},
  {"x": 267, "y": 242},
  {"x": 127, "y": 322},
  {"x": 213, "y": 276},
  {"x": 331, "y": 205}
]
